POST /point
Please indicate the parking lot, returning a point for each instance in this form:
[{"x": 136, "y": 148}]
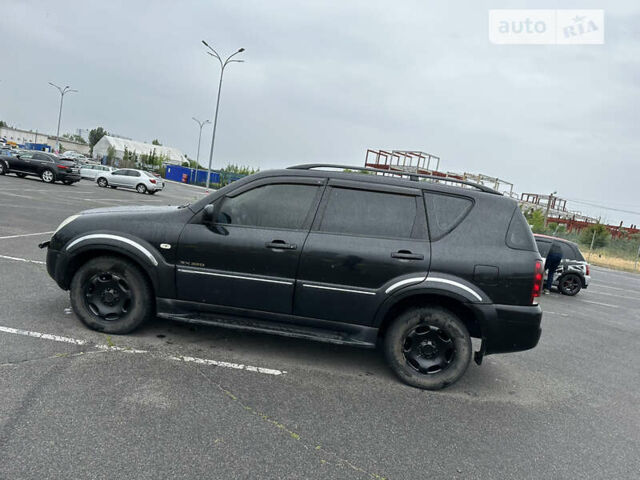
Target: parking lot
[{"x": 179, "y": 401}]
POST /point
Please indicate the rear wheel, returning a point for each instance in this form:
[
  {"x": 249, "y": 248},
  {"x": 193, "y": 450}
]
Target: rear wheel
[
  {"x": 570, "y": 284},
  {"x": 141, "y": 188},
  {"x": 47, "y": 176},
  {"x": 102, "y": 182},
  {"x": 428, "y": 347},
  {"x": 111, "y": 295}
]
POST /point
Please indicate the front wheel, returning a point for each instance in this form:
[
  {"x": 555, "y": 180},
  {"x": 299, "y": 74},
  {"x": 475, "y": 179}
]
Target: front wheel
[
  {"x": 141, "y": 188},
  {"x": 47, "y": 176},
  {"x": 102, "y": 182},
  {"x": 428, "y": 347},
  {"x": 111, "y": 295},
  {"x": 570, "y": 284}
]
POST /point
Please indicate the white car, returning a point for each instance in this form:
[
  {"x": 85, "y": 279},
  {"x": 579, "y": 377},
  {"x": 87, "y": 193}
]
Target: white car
[
  {"x": 141, "y": 181},
  {"x": 92, "y": 171}
]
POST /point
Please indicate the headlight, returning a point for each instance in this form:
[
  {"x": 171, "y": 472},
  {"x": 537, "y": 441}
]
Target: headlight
[{"x": 65, "y": 222}]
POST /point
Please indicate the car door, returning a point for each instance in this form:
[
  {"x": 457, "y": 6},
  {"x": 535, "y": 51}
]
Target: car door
[
  {"x": 39, "y": 162},
  {"x": 249, "y": 257},
  {"x": 133, "y": 178},
  {"x": 22, "y": 162},
  {"x": 366, "y": 240},
  {"x": 118, "y": 178}
]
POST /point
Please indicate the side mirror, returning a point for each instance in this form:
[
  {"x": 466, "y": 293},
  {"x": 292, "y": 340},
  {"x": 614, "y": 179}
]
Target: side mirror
[{"x": 208, "y": 215}]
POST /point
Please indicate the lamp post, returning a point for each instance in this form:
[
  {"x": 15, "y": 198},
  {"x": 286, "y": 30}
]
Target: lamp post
[
  {"x": 62, "y": 91},
  {"x": 223, "y": 64},
  {"x": 201, "y": 123}
]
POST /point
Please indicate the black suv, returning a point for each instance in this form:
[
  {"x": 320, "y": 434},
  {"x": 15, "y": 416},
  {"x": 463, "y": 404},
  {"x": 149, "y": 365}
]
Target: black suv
[
  {"x": 47, "y": 166},
  {"x": 418, "y": 267}
]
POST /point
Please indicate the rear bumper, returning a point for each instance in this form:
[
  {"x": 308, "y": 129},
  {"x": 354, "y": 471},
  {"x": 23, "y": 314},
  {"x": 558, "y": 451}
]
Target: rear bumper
[
  {"x": 73, "y": 177},
  {"x": 509, "y": 328}
]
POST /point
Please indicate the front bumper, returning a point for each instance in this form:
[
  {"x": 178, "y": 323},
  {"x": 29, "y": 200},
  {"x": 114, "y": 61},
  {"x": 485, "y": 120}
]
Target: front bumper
[{"x": 509, "y": 328}]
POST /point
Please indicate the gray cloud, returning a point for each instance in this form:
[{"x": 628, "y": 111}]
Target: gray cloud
[{"x": 323, "y": 81}]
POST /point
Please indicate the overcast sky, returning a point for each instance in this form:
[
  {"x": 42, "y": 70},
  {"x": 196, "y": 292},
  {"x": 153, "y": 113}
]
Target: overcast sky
[{"x": 323, "y": 81}]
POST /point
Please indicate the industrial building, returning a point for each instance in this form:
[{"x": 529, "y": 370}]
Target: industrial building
[{"x": 120, "y": 145}]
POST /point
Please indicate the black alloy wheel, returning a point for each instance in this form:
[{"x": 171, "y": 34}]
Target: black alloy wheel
[
  {"x": 112, "y": 294},
  {"x": 108, "y": 296},
  {"x": 428, "y": 349},
  {"x": 570, "y": 284}
]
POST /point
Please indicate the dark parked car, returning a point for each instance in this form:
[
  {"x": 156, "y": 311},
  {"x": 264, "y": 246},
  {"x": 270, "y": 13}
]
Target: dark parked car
[
  {"x": 574, "y": 272},
  {"x": 416, "y": 267},
  {"x": 47, "y": 166}
]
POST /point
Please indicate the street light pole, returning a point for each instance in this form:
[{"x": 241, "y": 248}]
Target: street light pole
[
  {"x": 223, "y": 64},
  {"x": 62, "y": 91},
  {"x": 201, "y": 123}
]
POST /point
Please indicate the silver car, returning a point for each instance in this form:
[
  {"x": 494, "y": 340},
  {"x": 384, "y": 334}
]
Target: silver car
[
  {"x": 92, "y": 171},
  {"x": 141, "y": 181}
]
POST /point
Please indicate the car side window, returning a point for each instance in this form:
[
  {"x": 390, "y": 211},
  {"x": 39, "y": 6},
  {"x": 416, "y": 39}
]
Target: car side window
[
  {"x": 26, "y": 156},
  {"x": 270, "y": 206},
  {"x": 119, "y": 172},
  {"x": 133, "y": 173},
  {"x": 445, "y": 212},
  {"x": 567, "y": 252},
  {"x": 374, "y": 214}
]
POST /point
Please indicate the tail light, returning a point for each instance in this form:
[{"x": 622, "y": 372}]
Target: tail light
[
  {"x": 152, "y": 180},
  {"x": 588, "y": 270},
  {"x": 537, "y": 281},
  {"x": 63, "y": 167}
]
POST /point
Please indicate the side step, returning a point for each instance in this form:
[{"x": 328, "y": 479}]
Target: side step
[{"x": 282, "y": 329}]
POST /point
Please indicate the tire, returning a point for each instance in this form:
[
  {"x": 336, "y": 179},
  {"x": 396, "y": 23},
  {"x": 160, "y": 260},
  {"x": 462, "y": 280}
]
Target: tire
[
  {"x": 48, "y": 176},
  {"x": 2, "y": 168},
  {"x": 570, "y": 284},
  {"x": 21, "y": 175},
  {"x": 102, "y": 182},
  {"x": 112, "y": 295},
  {"x": 141, "y": 188},
  {"x": 428, "y": 347}
]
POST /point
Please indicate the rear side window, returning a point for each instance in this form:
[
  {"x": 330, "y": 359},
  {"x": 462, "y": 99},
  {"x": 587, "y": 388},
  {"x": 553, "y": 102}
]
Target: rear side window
[
  {"x": 543, "y": 247},
  {"x": 567, "y": 252},
  {"x": 270, "y": 206},
  {"x": 374, "y": 214},
  {"x": 445, "y": 212},
  {"x": 519, "y": 235}
]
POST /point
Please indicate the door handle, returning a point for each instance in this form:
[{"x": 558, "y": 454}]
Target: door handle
[
  {"x": 281, "y": 245},
  {"x": 407, "y": 255}
]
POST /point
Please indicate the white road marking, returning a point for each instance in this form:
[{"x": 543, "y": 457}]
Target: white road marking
[
  {"x": 545, "y": 312},
  {"x": 599, "y": 303},
  {"x": 236, "y": 366},
  {"x": 26, "y": 260},
  {"x": 45, "y": 336},
  {"x": 114, "y": 348},
  {"x": 598, "y": 286},
  {"x": 25, "y": 235}
]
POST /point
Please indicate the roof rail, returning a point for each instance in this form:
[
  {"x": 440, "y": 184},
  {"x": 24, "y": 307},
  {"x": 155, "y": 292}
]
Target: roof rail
[{"x": 412, "y": 176}]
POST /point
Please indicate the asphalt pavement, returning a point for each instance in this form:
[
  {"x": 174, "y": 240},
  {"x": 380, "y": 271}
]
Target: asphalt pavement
[{"x": 178, "y": 401}]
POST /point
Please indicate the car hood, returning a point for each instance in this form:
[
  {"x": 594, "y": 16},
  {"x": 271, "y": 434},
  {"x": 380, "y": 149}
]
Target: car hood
[{"x": 132, "y": 210}]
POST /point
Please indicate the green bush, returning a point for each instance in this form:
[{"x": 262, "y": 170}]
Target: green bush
[{"x": 602, "y": 236}]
